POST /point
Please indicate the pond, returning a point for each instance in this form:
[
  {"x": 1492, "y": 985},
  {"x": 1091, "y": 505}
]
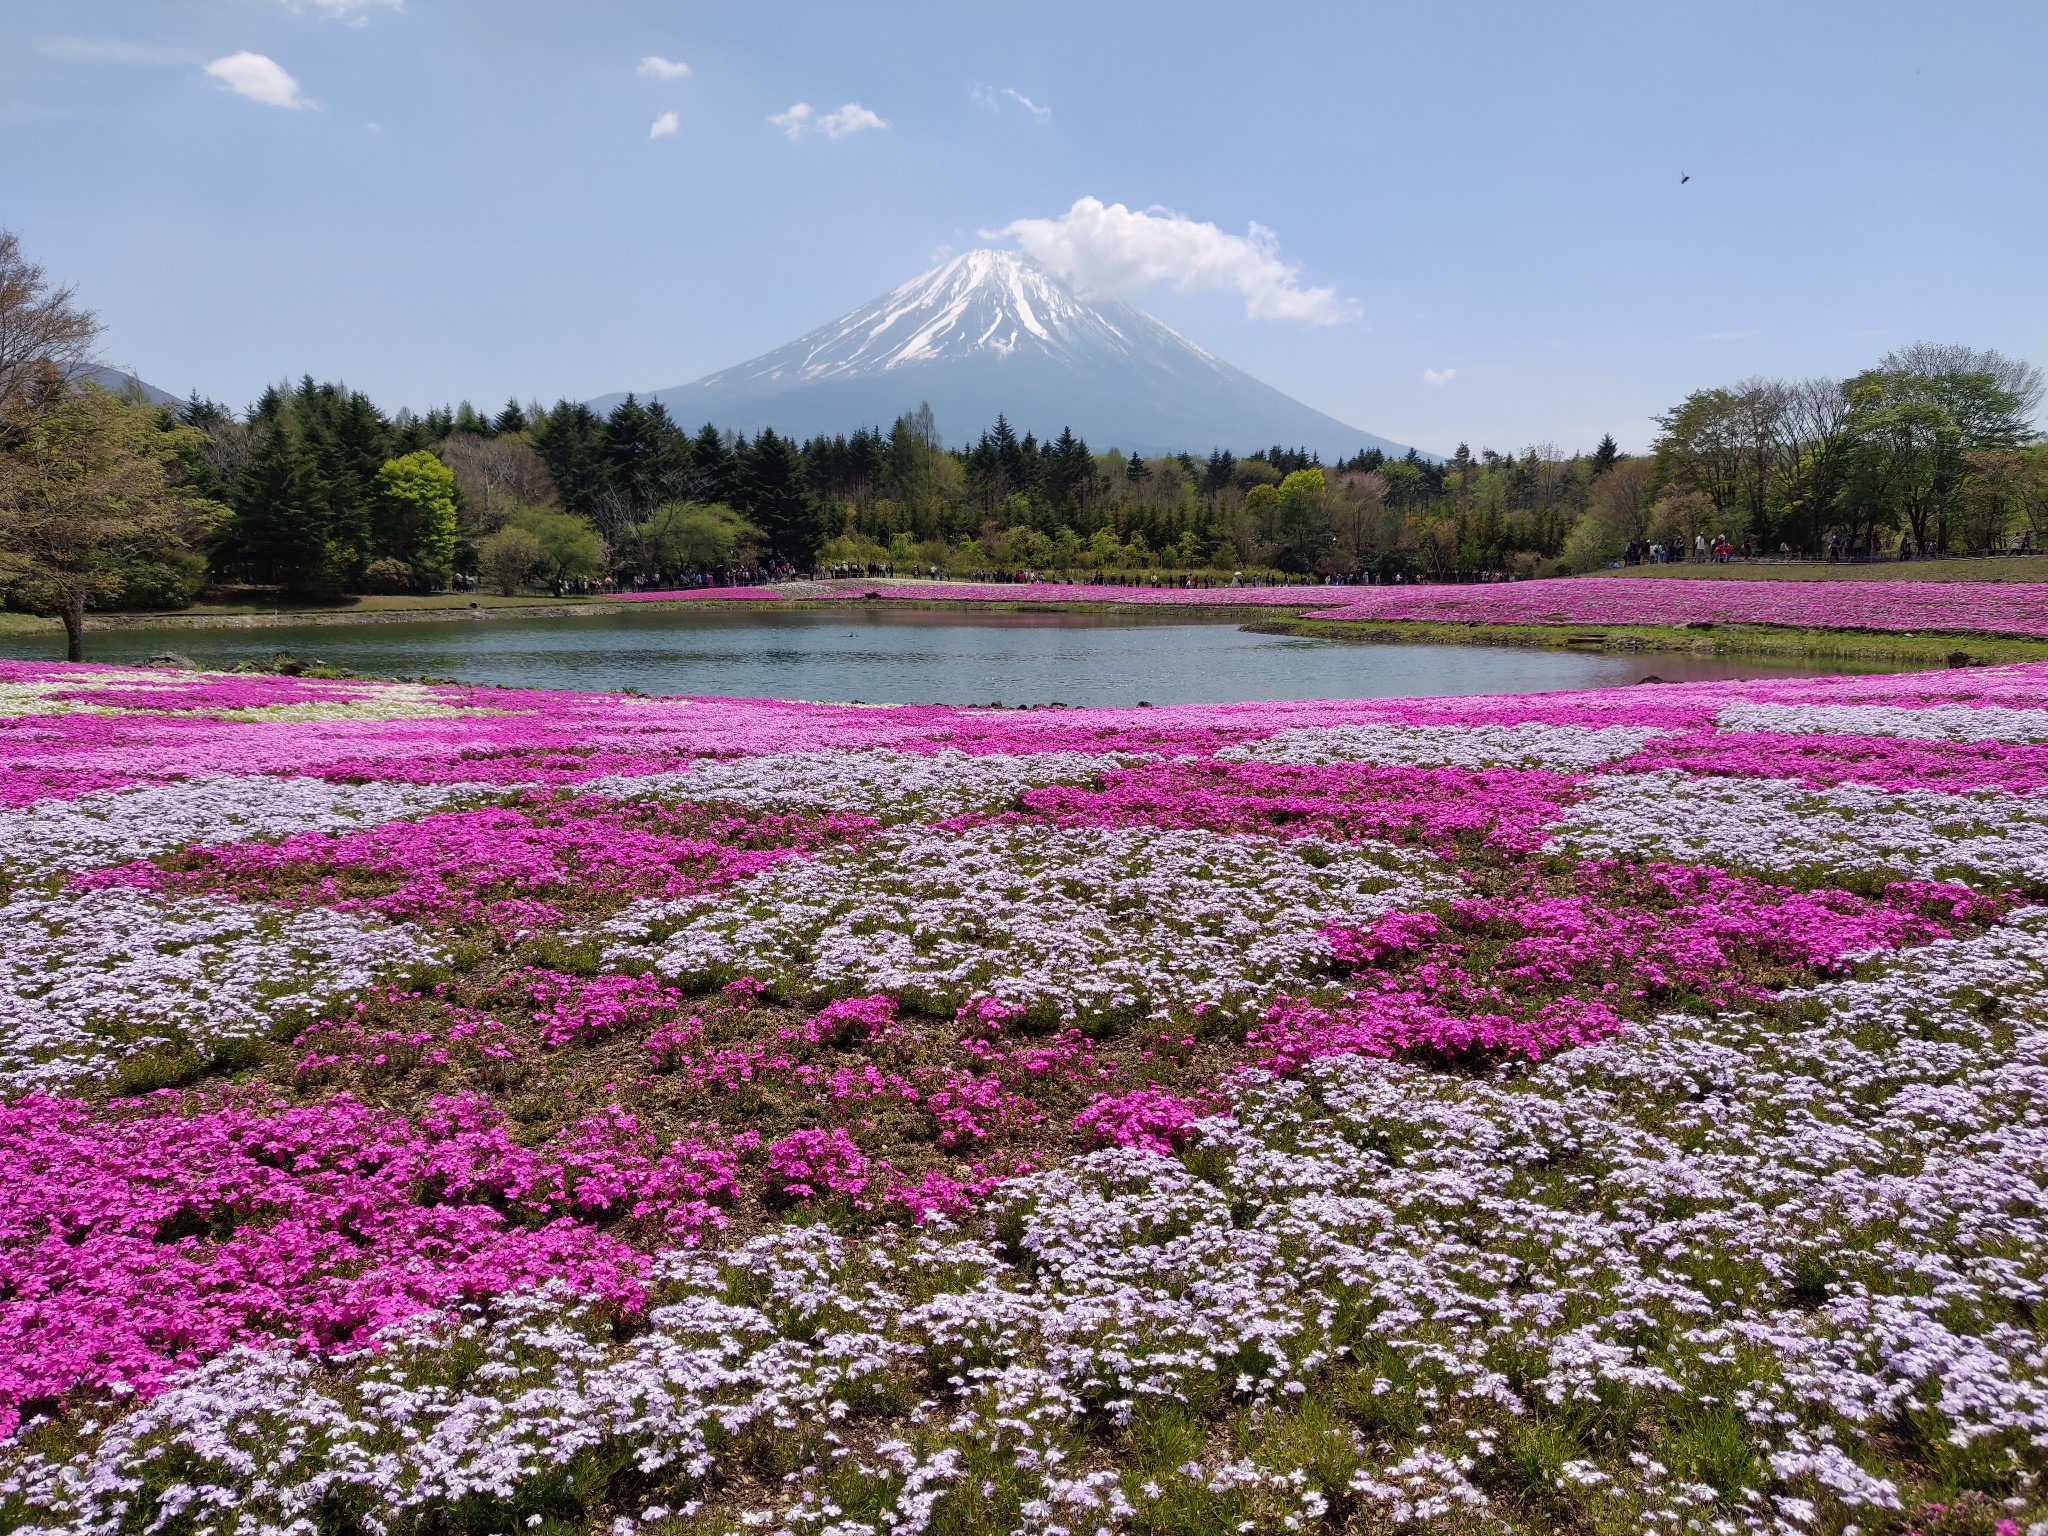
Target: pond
[{"x": 880, "y": 656}]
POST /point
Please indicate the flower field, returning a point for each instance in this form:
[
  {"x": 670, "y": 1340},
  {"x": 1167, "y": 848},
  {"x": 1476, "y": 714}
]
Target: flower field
[
  {"x": 1981, "y": 607},
  {"x": 433, "y": 1109}
]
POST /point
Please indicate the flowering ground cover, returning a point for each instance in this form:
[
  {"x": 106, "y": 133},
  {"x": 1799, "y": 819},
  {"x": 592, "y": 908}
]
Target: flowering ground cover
[
  {"x": 434, "y": 1109},
  {"x": 1982, "y": 607}
]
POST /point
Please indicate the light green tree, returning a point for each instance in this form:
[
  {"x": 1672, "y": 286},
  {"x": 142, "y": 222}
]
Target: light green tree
[
  {"x": 415, "y": 515},
  {"x": 570, "y": 549},
  {"x": 508, "y": 557}
]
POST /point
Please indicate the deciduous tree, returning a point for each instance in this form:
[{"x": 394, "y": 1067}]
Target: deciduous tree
[{"x": 91, "y": 487}]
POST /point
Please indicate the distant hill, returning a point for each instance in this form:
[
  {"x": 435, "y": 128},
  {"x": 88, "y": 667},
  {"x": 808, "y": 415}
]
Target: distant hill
[
  {"x": 116, "y": 380},
  {"x": 989, "y": 332}
]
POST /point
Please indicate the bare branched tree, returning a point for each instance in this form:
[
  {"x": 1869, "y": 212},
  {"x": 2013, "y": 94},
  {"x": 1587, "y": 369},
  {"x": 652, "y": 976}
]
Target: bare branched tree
[
  {"x": 43, "y": 333},
  {"x": 497, "y": 475},
  {"x": 1931, "y": 359}
]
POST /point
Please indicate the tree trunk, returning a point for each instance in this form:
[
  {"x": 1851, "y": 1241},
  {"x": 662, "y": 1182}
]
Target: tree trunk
[{"x": 74, "y": 628}]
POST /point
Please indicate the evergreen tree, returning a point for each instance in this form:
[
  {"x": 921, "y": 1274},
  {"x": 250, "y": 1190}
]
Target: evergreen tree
[
  {"x": 778, "y": 502},
  {"x": 510, "y": 419},
  {"x": 1603, "y": 456},
  {"x": 1137, "y": 471},
  {"x": 713, "y": 467},
  {"x": 572, "y": 447},
  {"x": 278, "y": 535}
]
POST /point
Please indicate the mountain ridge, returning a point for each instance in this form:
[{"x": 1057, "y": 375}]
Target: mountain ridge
[{"x": 990, "y": 332}]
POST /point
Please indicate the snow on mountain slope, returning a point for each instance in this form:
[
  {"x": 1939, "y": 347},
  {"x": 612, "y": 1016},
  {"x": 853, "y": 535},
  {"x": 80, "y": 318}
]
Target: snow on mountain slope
[{"x": 989, "y": 332}]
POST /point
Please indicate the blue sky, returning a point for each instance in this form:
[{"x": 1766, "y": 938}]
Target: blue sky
[{"x": 439, "y": 199}]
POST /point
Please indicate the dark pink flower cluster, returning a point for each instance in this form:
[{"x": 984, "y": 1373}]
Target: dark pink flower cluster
[
  {"x": 1530, "y": 973},
  {"x": 1822, "y": 760},
  {"x": 1506, "y": 808},
  {"x": 361, "y": 1042},
  {"x": 136, "y": 1241},
  {"x": 509, "y": 866},
  {"x": 573, "y": 1009},
  {"x": 1150, "y": 1119}
]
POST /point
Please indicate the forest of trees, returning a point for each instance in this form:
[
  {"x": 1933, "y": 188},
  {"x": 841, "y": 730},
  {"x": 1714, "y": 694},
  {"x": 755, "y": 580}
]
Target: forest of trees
[{"x": 315, "y": 491}]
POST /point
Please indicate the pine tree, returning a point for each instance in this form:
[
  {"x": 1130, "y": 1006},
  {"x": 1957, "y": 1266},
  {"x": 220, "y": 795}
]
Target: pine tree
[
  {"x": 1137, "y": 471},
  {"x": 1604, "y": 455},
  {"x": 713, "y": 467},
  {"x": 510, "y": 419},
  {"x": 572, "y": 445},
  {"x": 777, "y": 500},
  {"x": 277, "y": 536}
]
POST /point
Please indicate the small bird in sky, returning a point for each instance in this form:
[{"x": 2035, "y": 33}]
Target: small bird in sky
[{"x": 1684, "y": 179}]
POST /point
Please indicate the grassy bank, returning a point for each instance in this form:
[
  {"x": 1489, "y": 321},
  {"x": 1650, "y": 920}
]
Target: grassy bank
[{"x": 1760, "y": 640}]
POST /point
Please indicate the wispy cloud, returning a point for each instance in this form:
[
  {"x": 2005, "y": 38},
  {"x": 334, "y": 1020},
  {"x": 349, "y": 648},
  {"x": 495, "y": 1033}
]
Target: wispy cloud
[
  {"x": 259, "y": 78},
  {"x": 803, "y": 119},
  {"x": 1118, "y": 252},
  {"x": 993, "y": 97},
  {"x": 355, "y": 12},
  {"x": 655, "y": 67},
  {"x": 1437, "y": 378},
  {"x": 664, "y": 126},
  {"x": 113, "y": 50},
  {"x": 1725, "y": 336}
]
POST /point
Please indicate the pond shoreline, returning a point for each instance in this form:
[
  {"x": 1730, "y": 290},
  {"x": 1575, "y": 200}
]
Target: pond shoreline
[{"x": 1908, "y": 650}]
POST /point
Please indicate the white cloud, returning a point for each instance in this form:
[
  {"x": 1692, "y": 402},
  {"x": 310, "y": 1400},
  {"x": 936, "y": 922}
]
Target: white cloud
[
  {"x": 664, "y": 126},
  {"x": 803, "y": 118},
  {"x": 355, "y": 12},
  {"x": 1118, "y": 253},
  {"x": 656, "y": 67},
  {"x": 993, "y": 98},
  {"x": 258, "y": 78},
  {"x": 1436, "y": 378}
]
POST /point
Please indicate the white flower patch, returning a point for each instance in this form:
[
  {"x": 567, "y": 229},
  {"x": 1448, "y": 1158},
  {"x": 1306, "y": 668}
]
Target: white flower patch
[
  {"x": 892, "y": 786},
  {"x": 1079, "y": 922},
  {"x": 88, "y": 978},
  {"x": 117, "y": 826},
  {"x": 36, "y": 695},
  {"x": 1936, "y": 722},
  {"x": 1781, "y": 827},
  {"x": 1561, "y": 748},
  {"x": 374, "y": 701}
]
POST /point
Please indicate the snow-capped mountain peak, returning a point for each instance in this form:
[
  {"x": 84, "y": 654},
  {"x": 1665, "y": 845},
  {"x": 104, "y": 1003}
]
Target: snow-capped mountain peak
[
  {"x": 986, "y": 303},
  {"x": 990, "y": 332}
]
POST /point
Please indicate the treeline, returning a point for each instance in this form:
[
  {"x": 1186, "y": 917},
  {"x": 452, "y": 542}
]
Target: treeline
[{"x": 316, "y": 491}]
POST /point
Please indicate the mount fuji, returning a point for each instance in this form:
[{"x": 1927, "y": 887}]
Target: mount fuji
[{"x": 989, "y": 332}]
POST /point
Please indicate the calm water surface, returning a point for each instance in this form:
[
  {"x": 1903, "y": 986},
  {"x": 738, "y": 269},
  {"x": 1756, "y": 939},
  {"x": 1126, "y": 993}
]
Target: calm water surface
[{"x": 884, "y": 657}]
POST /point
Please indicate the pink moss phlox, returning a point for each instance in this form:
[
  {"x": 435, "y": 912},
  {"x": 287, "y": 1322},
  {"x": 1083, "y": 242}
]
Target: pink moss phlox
[
  {"x": 1507, "y": 808},
  {"x": 574, "y": 1009},
  {"x": 503, "y": 864},
  {"x": 138, "y": 1241},
  {"x": 1150, "y": 1119},
  {"x": 1823, "y": 760},
  {"x": 933, "y": 1193},
  {"x": 853, "y": 1020},
  {"x": 986, "y": 1016},
  {"x": 356, "y": 1042},
  {"x": 1393, "y": 1022},
  {"x": 813, "y": 1164}
]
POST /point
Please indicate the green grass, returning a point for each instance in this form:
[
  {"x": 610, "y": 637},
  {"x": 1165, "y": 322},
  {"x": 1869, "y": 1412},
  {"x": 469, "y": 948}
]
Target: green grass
[{"x": 1879, "y": 648}]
